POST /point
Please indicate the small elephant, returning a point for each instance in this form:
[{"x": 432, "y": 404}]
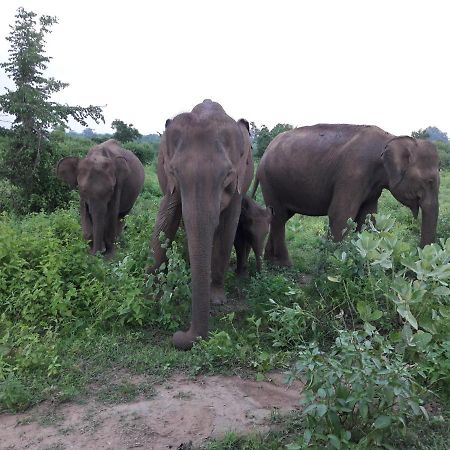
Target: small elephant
[
  {"x": 204, "y": 168},
  {"x": 253, "y": 227},
  {"x": 109, "y": 179},
  {"x": 340, "y": 171}
]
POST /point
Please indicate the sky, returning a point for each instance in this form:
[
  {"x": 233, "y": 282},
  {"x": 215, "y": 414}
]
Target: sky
[{"x": 300, "y": 62}]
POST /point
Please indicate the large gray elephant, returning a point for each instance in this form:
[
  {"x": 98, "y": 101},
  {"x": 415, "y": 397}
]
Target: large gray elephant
[
  {"x": 340, "y": 171},
  {"x": 109, "y": 179},
  {"x": 204, "y": 167}
]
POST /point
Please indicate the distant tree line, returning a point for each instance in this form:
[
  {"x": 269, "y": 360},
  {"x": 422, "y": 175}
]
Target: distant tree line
[{"x": 431, "y": 133}]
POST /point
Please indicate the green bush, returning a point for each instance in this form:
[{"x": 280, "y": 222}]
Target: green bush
[
  {"x": 444, "y": 154},
  {"x": 356, "y": 393},
  {"x": 50, "y": 285},
  {"x": 145, "y": 152}
]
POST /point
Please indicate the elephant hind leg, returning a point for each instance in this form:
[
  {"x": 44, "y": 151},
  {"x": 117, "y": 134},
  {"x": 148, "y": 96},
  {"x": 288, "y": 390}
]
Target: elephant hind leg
[{"x": 276, "y": 249}]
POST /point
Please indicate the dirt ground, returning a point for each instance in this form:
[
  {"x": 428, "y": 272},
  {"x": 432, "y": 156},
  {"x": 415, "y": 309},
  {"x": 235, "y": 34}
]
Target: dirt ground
[{"x": 182, "y": 411}]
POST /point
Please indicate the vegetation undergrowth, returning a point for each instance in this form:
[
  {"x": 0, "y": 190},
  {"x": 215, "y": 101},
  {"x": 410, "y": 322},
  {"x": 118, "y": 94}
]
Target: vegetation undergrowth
[{"x": 374, "y": 302}]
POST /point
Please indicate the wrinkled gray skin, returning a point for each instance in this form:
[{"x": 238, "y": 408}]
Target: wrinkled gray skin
[
  {"x": 108, "y": 179},
  {"x": 204, "y": 167},
  {"x": 340, "y": 171},
  {"x": 253, "y": 227}
]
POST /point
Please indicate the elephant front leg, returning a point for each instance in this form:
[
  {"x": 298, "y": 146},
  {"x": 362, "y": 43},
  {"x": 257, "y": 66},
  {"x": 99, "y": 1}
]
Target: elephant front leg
[
  {"x": 368, "y": 207},
  {"x": 86, "y": 223},
  {"x": 223, "y": 243},
  {"x": 340, "y": 210},
  {"x": 241, "y": 256},
  {"x": 167, "y": 221}
]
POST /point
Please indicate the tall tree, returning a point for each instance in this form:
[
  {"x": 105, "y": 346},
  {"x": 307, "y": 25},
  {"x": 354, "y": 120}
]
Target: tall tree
[
  {"x": 28, "y": 161},
  {"x": 125, "y": 133},
  {"x": 420, "y": 134},
  {"x": 265, "y": 137}
]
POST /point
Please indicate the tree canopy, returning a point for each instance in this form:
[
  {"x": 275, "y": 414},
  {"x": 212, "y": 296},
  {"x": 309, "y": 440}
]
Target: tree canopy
[
  {"x": 29, "y": 160},
  {"x": 264, "y": 136},
  {"x": 124, "y": 133}
]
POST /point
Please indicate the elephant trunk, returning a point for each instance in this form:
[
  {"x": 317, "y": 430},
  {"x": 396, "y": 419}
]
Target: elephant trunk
[
  {"x": 98, "y": 231},
  {"x": 430, "y": 212},
  {"x": 200, "y": 226}
]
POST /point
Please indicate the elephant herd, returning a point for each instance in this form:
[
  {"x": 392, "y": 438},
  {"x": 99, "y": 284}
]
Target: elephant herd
[{"x": 205, "y": 168}]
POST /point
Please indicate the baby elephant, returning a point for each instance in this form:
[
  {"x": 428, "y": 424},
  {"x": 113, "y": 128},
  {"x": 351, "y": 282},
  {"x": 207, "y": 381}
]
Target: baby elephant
[
  {"x": 253, "y": 227},
  {"x": 109, "y": 179}
]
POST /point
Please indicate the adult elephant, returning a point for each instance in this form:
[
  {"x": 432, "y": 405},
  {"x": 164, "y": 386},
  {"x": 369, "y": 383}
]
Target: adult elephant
[
  {"x": 204, "y": 168},
  {"x": 340, "y": 171},
  {"x": 109, "y": 179}
]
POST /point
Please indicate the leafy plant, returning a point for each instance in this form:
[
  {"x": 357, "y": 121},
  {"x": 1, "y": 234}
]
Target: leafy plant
[
  {"x": 170, "y": 289},
  {"x": 356, "y": 393}
]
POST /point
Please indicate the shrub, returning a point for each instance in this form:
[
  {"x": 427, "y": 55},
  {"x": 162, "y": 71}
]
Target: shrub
[
  {"x": 356, "y": 393},
  {"x": 145, "y": 152}
]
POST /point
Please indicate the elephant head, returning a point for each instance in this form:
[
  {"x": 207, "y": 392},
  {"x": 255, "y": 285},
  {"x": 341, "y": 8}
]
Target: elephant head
[
  {"x": 412, "y": 168},
  {"x": 98, "y": 179},
  {"x": 206, "y": 162}
]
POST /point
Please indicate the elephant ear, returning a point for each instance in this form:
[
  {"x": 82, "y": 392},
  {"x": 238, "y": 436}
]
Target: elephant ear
[
  {"x": 246, "y": 156},
  {"x": 67, "y": 170},
  {"x": 396, "y": 157}
]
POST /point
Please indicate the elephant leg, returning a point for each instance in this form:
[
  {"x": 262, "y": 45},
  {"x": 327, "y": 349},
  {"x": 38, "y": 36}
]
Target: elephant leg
[
  {"x": 222, "y": 245},
  {"x": 368, "y": 207},
  {"x": 344, "y": 206},
  {"x": 276, "y": 248},
  {"x": 167, "y": 221},
  {"x": 86, "y": 223},
  {"x": 112, "y": 233},
  {"x": 257, "y": 247},
  {"x": 239, "y": 245}
]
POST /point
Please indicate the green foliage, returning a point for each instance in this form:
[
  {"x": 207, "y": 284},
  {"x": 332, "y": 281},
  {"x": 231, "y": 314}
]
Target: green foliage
[
  {"x": 51, "y": 286},
  {"x": 170, "y": 290},
  {"x": 444, "y": 154},
  {"x": 124, "y": 133},
  {"x": 420, "y": 134},
  {"x": 264, "y": 137},
  {"x": 145, "y": 152},
  {"x": 29, "y": 158},
  {"x": 356, "y": 393}
]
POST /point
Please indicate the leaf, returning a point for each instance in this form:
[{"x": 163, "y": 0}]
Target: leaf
[
  {"x": 321, "y": 409},
  {"x": 363, "y": 410},
  {"x": 421, "y": 339},
  {"x": 334, "y": 440},
  {"x": 334, "y": 279},
  {"x": 307, "y": 435},
  {"x": 382, "y": 422}
]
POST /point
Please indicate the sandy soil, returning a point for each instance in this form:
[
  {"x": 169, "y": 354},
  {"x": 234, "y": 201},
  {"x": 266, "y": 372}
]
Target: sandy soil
[{"x": 182, "y": 411}]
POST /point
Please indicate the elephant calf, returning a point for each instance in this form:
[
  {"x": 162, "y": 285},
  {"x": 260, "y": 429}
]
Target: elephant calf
[
  {"x": 253, "y": 227},
  {"x": 340, "y": 171},
  {"x": 109, "y": 179}
]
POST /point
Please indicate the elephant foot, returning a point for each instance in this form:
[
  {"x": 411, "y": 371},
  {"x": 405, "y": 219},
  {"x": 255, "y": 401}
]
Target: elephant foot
[
  {"x": 280, "y": 262},
  {"x": 108, "y": 254},
  {"x": 242, "y": 273},
  {"x": 218, "y": 296},
  {"x": 184, "y": 340}
]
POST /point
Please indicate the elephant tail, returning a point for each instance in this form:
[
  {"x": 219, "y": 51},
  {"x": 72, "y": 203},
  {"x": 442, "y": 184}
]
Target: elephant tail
[{"x": 255, "y": 188}]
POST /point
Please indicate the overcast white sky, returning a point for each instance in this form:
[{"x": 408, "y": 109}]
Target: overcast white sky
[{"x": 381, "y": 62}]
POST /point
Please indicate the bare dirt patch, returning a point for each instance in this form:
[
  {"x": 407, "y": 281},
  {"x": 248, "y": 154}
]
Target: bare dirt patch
[{"x": 183, "y": 410}]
